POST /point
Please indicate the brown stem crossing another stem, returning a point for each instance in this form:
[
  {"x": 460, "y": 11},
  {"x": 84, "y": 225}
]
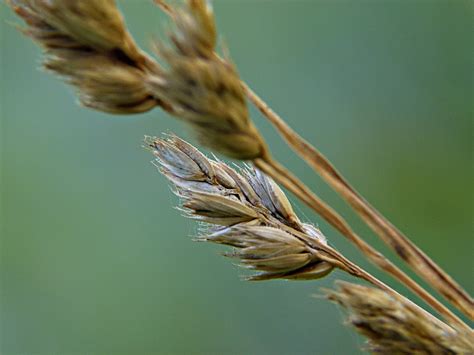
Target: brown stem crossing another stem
[
  {"x": 359, "y": 272},
  {"x": 406, "y": 250},
  {"x": 281, "y": 175}
]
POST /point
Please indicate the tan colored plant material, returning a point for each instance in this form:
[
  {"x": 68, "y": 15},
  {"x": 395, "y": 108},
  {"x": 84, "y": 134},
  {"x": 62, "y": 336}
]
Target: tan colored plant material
[
  {"x": 393, "y": 326},
  {"x": 245, "y": 210},
  {"x": 87, "y": 43},
  {"x": 202, "y": 90}
]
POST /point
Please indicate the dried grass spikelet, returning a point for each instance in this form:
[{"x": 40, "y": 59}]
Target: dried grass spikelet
[
  {"x": 196, "y": 32},
  {"x": 86, "y": 42},
  {"x": 393, "y": 326},
  {"x": 274, "y": 251},
  {"x": 243, "y": 209},
  {"x": 203, "y": 90}
]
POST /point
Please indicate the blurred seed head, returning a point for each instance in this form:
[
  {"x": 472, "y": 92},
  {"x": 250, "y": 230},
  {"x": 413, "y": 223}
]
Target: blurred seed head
[
  {"x": 195, "y": 34},
  {"x": 95, "y": 24},
  {"x": 86, "y": 42},
  {"x": 103, "y": 83},
  {"x": 393, "y": 326},
  {"x": 202, "y": 89}
]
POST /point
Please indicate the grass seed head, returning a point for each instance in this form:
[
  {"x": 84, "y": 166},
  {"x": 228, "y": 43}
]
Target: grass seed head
[
  {"x": 202, "y": 89},
  {"x": 243, "y": 209},
  {"x": 394, "y": 326},
  {"x": 274, "y": 252},
  {"x": 86, "y": 42}
]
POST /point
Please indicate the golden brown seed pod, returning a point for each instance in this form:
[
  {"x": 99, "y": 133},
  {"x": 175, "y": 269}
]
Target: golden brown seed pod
[{"x": 207, "y": 95}]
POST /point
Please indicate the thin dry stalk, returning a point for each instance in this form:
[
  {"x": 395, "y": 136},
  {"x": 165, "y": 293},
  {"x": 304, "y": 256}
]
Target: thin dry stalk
[
  {"x": 393, "y": 326},
  {"x": 293, "y": 184},
  {"x": 407, "y": 250}
]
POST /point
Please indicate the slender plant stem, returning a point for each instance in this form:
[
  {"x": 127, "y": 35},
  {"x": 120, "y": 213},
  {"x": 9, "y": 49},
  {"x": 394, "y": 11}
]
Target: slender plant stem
[
  {"x": 359, "y": 272},
  {"x": 408, "y": 251},
  {"x": 327, "y": 253},
  {"x": 421, "y": 263},
  {"x": 280, "y": 174}
]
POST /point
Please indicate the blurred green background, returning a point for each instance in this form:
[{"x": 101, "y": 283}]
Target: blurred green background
[{"x": 95, "y": 260}]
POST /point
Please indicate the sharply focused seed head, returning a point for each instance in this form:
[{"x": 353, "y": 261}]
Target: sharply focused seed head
[
  {"x": 177, "y": 162},
  {"x": 245, "y": 210},
  {"x": 213, "y": 208},
  {"x": 274, "y": 252},
  {"x": 272, "y": 197}
]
